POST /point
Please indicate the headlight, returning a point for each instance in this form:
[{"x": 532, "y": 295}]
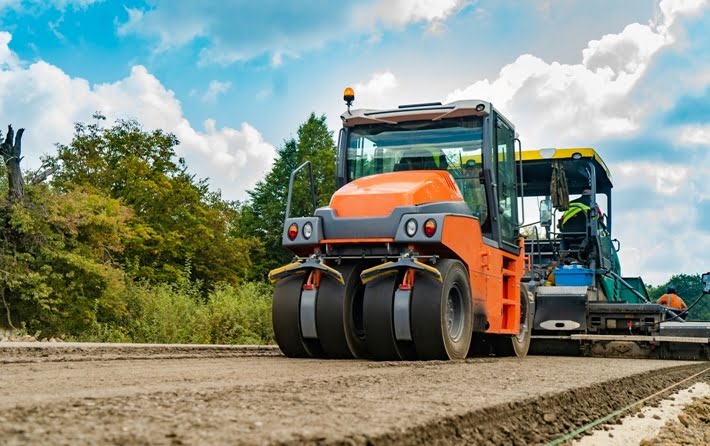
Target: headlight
[
  {"x": 411, "y": 227},
  {"x": 307, "y": 230}
]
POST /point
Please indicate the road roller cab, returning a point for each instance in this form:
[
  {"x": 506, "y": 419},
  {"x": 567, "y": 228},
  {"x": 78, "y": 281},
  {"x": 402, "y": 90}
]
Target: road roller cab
[{"x": 418, "y": 254}]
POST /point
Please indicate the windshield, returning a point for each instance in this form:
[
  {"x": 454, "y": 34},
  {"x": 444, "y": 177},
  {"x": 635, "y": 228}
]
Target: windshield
[{"x": 453, "y": 145}]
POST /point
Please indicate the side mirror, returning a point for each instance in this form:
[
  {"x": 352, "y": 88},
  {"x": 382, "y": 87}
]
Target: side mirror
[
  {"x": 546, "y": 213},
  {"x": 706, "y": 283}
]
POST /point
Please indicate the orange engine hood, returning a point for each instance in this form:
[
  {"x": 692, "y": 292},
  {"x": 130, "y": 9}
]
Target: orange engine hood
[{"x": 377, "y": 195}]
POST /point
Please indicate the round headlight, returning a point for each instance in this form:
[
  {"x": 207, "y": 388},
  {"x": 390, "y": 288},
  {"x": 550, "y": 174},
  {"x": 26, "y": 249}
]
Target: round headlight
[
  {"x": 411, "y": 227},
  {"x": 307, "y": 230},
  {"x": 293, "y": 231}
]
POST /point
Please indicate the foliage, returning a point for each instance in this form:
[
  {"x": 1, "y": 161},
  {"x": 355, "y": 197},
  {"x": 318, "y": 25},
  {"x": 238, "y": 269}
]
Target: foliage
[
  {"x": 689, "y": 287},
  {"x": 263, "y": 215},
  {"x": 177, "y": 313},
  {"x": 124, "y": 244},
  {"x": 176, "y": 218},
  {"x": 56, "y": 259}
]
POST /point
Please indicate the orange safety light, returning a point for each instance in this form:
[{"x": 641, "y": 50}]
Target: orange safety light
[
  {"x": 293, "y": 231},
  {"x": 349, "y": 96},
  {"x": 430, "y": 228}
]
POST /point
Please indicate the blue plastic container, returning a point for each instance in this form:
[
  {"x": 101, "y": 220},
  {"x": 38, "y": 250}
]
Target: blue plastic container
[{"x": 574, "y": 275}]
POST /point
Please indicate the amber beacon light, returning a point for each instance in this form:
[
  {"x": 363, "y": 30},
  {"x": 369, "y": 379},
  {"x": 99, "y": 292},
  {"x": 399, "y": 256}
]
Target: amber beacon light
[{"x": 349, "y": 96}]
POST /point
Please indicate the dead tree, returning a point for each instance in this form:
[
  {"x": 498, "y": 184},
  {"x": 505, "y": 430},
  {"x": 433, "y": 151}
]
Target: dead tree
[{"x": 10, "y": 151}]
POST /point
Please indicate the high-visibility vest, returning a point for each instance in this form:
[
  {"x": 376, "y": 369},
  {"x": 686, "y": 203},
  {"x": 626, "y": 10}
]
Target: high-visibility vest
[
  {"x": 574, "y": 209},
  {"x": 672, "y": 300}
]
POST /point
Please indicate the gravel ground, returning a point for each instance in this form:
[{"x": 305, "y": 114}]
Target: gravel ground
[
  {"x": 649, "y": 422},
  {"x": 82, "y": 398},
  {"x": 692, "y": 427}
]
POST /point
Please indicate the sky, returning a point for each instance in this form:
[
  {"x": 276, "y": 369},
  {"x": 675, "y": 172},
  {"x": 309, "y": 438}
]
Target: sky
[{"x": 234, "y": 79}]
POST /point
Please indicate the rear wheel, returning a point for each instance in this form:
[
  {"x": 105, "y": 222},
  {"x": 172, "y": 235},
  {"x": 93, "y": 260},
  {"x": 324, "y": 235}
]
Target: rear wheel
[
  {"x": 441, "y": 314},
  {"x": 520, "y": 344},
  {"x": 285, "y": 314}
]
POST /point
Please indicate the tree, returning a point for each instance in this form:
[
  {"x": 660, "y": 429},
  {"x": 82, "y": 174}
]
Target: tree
[
  {"x": 57, "y": 272},
  {"x": 263, "y": 215},
  {"x": 11, "y": 151},
  {"x": 177, "y": 220}
]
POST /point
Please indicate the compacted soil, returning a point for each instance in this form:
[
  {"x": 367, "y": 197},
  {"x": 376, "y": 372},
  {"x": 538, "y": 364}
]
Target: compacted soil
[{"x": 100, "y": 394}]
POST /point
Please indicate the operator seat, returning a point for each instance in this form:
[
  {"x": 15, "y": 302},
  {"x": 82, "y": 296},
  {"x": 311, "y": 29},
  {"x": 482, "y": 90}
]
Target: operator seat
[{"x": 416, "y": 160}]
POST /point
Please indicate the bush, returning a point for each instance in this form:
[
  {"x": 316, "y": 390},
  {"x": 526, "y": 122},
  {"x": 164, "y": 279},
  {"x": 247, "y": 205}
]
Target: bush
[
  {"x": 241, "y": 315},
  {"x": 178, "y": 314}
]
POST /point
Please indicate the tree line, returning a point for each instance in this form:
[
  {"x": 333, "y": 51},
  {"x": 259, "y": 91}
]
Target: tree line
[{"x": 113, "y": 239}]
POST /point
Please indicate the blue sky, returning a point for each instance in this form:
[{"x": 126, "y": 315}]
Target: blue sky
[{"x": 233, "y": 79}]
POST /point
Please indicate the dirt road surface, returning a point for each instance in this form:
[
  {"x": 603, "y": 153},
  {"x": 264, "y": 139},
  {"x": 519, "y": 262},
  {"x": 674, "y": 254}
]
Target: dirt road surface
[{"x": 88, "y": 394}]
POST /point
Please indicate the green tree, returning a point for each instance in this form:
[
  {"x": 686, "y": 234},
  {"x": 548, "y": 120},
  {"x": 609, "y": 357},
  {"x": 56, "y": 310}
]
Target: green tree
[
  {"x": 176, "y": 218},
  {"x": 263, "y": 214},
  {"x": 57, "y": 272}
]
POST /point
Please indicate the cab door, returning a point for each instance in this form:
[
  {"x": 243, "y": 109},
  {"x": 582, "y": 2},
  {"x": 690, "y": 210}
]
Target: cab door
[{"x": 504, "y": 146}]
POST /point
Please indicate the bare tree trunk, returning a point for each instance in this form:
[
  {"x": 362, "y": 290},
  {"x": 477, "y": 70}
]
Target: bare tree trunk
[{"x": 10, "y": 151}]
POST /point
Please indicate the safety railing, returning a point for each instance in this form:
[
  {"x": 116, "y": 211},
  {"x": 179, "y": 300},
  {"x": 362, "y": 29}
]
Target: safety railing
[{"x": 305, "y": 165}]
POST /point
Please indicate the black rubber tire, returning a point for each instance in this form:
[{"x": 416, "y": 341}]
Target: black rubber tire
[
  {"x": 354, "y": 313},
  {"x": 378, "y": 307},
  {"x": 517, "y": 345},
  {"x": 339, "y": 334},
  {"x": 286, "y": 317},
  {"x": 432, "y": 338}
]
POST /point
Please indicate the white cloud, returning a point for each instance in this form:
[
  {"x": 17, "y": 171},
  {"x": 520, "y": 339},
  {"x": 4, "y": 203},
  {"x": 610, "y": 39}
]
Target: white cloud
[
  {"x": 47, "y": 102},
  {"x": 562, "y": 104},
  {"x": 376, "y": 91},
  {"x": 214, "y": 89},
  {"x": 238, "y": 31},
  {"x": 399, "y": 13},
  {"x": 8, "y": 59},
  {"x": 657, "y": 219},
  {"x": 695, "y": 135}
]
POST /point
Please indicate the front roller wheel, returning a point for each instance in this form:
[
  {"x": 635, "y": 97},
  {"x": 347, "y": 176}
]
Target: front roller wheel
[
  {"x": 339, "y": 314},
  {"x": 378, "y": 307},
  {"x": 442, "y": 317},
  {"x": 285, "y": 314},
  {"x": 520, "y": 344}
]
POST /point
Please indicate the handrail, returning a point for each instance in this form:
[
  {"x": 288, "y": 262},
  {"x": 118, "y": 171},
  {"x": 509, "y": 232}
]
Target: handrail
[
  {"x": 537, "y": 242},
  {"x": 290, "y": 187},
  {"x": 522, "y": 183},
  {"x": 627, "y": 285}
]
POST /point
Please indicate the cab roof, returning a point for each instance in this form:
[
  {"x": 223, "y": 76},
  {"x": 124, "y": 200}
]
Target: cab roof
[
  {"x": 537, "y": 170},
  {"x": 414, "y": 112}
]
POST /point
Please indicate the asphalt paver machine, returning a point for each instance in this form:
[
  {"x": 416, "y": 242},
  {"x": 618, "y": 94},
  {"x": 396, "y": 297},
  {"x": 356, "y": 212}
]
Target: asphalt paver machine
[{"x": 583, "y": 304}]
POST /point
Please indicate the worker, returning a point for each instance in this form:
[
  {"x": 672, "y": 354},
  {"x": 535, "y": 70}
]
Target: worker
[
  {"x": 575, "y": 218},
  {"x": 673, "y": 301},
  {"x": 573, "y": 223}
]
